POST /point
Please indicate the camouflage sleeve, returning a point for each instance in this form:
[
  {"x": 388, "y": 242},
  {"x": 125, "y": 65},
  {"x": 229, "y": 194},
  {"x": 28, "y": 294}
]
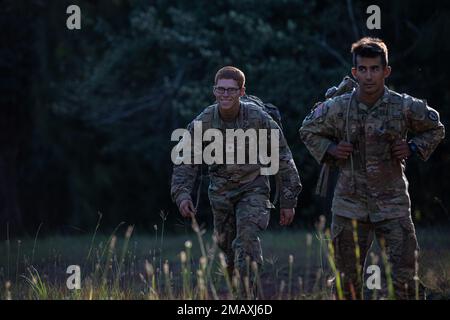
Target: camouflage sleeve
[
  {"x": 290, "y": 184},
  {"x": 183, "y": 177},
  {"x": 318, "y": 131},
  {"x": 425, "y": 125}
]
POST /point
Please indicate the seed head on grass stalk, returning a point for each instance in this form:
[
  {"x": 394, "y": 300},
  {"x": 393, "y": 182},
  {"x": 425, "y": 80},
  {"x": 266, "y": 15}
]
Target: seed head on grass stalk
[
  {"x": 223, "y": 266},
  {"x": 206, "y": 272},
  {"x": 333, "y": 267},
  {"x": 167, "y": 280},
  {"x": 106, "y": 248},
  {"x": 149, "y": 270},
  {"x": 257, "y": 280},
  {"x": 203, "y": 263},
  {"x": 188, "y": 271},
  {"x": 128, "y": 234},
  {"x": 185, "y": 275},
  {"x": 8, "y": 295},
  {"x": 90, "y": 288},
  {"x": 38, "y": 287}
]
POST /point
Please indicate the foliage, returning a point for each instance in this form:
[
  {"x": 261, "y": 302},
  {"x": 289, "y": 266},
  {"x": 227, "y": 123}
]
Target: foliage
[{"x": 105, "y": 99}]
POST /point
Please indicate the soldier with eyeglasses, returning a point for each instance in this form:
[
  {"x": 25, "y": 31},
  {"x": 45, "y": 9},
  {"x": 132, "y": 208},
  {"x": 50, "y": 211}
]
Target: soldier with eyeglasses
[{"x": 238, "y": 193}]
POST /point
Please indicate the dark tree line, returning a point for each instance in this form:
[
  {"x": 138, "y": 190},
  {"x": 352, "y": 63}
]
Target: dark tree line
[{"x": 86, "y": 115}]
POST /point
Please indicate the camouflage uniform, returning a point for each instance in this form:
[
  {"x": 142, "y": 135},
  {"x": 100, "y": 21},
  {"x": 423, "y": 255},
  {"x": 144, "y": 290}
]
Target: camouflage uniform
[
  {"x": 375, "y": 191},
  {"x": 238, "y": 193}
]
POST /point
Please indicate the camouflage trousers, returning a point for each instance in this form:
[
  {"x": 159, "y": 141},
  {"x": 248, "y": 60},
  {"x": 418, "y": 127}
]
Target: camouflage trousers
[
  {"x": 239, "y": 217},
  {"x": 397, "y": 236}
]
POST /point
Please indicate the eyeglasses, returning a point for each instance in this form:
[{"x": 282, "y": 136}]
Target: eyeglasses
[{"x": 222, "y": 90}]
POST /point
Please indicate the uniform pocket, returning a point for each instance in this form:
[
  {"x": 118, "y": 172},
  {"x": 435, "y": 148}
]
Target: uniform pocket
[
  {"x": 409, "y": 245},
  {"x": 260, "y": 212},
  {"x": 407, "y": 225}
]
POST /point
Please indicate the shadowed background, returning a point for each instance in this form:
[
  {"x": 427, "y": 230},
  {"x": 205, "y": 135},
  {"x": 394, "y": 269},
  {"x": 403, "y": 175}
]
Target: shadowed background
[{"x": 86, "y": 115}]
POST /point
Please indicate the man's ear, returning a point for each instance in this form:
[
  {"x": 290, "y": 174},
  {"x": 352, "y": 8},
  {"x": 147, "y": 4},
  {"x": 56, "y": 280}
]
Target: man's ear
[
  {"x": 242, "y": 93},
  {"x": 354, "y": 72},
  {"x": 387, "y": 71}
]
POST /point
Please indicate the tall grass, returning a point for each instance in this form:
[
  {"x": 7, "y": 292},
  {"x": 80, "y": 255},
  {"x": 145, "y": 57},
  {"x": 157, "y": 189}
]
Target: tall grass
[{"x": 155, "y": 268}]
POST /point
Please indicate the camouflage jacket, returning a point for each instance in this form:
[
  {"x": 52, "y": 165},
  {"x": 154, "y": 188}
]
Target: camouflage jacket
[
  {"x": 377, "y": 187},
  {"x": 225, "y": 177}
]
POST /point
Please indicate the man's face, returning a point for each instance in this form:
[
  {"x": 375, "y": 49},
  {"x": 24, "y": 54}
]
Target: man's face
[
  {"x": 227, "y": 93},
  {"x": 370, "y": 74}
]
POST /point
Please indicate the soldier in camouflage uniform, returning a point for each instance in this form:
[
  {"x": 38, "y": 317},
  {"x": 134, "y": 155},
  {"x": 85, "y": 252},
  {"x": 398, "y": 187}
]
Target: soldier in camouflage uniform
[
  {"x": 364, "y": 133},
  {"x": 238, "y": 193}
]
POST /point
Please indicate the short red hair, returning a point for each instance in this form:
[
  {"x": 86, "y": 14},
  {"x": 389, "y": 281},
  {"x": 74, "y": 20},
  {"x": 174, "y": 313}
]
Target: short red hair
[{"x": 230, "y": 72}]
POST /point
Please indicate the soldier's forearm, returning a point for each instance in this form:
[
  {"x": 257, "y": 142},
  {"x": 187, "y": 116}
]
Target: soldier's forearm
[
  {"x": 183, "y": 180},
  {"x": 182, "y": 196},
  {"x": 317, "y": 146},
  {"x": 427, "y": 142},
  {"x": 290, "y": 186}
]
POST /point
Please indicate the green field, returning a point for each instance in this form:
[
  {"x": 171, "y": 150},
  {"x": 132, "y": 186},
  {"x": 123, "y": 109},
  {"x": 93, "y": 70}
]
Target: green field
[{"x": 148, "y": 266}]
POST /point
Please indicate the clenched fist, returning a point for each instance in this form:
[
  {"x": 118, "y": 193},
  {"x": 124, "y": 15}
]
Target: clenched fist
[
  {"x": 400, "y": 150},
  {"x": 341, "y": 151},
  {"x": 187, "y": 209},
  {"x": 286, "y": 216}
]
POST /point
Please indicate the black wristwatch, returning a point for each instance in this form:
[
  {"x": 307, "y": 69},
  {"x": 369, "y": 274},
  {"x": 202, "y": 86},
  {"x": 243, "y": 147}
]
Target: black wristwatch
[{"x": 413, "y": 148}]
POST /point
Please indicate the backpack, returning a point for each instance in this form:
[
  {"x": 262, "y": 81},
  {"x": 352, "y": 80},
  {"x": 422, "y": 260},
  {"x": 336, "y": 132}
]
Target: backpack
[
  {"x": 269, "y": 108},
  {"x": 274, "y": 112}
]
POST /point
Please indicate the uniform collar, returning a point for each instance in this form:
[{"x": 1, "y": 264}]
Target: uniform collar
[
  {"x": 218, "y": 122},
  {"x": 382, "y": 100}
]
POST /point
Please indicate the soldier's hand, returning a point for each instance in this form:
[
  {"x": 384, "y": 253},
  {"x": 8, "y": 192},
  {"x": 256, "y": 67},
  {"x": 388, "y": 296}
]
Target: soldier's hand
[
  {"x": 341, "y": 151},
  {"x": 400, "y": 150},
  {"x": 187, "y": 208},
  {"x": 286, "y": 216}
]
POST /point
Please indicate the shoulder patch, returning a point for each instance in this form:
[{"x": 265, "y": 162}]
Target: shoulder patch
[
  {"x": 318, "y": 111},
  {"x": 433, "y": 116}
]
